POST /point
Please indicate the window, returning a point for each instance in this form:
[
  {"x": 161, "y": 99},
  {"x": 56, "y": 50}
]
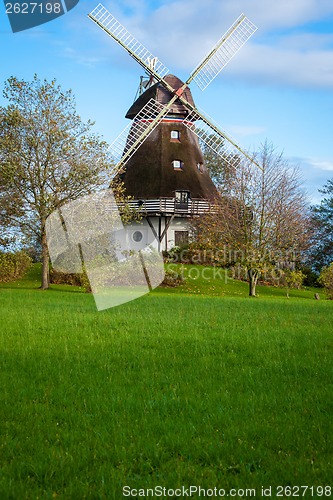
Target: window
[
  {"x": 181, "y": 238},
  {"x": 175, "y": 135},
  {"x": 200, "y": 167},
  {"x": 177, "y": 164},
  {"x": 181, "y": 199},
  {"x": 137, "y": 236}
]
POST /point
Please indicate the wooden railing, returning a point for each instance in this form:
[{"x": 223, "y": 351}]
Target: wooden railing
[{"x": 194, "y": 206}]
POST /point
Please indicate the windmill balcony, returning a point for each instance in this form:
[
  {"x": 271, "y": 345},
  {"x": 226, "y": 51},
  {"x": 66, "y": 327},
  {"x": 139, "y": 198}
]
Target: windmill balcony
[{"x": 171, "y": 206}]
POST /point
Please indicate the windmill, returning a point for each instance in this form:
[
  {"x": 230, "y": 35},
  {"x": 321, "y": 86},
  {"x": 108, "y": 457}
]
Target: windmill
[{"x": 167, "y": 101}]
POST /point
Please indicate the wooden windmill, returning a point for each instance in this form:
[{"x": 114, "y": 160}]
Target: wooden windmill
[{"x": 158, "y": 155}]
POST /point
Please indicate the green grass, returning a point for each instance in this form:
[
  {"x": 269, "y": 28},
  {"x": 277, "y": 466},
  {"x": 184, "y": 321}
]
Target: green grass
[
  {"x": 216, "y": 282},
  {"x": 193, "y": 386}
]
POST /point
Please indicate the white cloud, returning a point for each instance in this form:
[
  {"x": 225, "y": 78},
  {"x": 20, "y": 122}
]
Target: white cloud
[
  {"x": 181, "y": 33},
  {"x": 267, "y": 15},
  {"x": 83, "y": 59},
  {"x": 245, "y": 130},
  {"x": 286, "y": 50},
  {"x": 286, "y": 13},
  {"x": 320, "y": 164},
  {"x": 315, "y": 173},
  {"x": 278, "y": 65}
]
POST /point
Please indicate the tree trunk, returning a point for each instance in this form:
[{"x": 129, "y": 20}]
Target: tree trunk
[
  {"x": 45, "y": 263},
  {"x": 253, "y": 275}
]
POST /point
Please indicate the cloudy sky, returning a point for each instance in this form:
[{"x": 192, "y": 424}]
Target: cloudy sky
[{"x": 279, "y": 86}]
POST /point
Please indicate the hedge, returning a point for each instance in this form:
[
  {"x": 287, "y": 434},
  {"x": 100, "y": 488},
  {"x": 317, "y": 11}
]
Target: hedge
[{"x": 13, "y": 266}]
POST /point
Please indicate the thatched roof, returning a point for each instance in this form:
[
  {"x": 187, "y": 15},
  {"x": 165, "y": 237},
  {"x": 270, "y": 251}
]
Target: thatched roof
[
  {"x": 150, "y": 173},
  {"x": 163, "y": 96}
]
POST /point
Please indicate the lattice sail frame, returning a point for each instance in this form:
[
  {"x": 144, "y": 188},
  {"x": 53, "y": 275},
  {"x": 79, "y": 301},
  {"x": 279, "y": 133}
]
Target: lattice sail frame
[
  {"x": 221, "y": 143},
  {"x": 203, "y": 75},
  {"x": 107, "y": 22},
  {"x": 131, "y": 138},
  {"x": 223, "y": 52}
]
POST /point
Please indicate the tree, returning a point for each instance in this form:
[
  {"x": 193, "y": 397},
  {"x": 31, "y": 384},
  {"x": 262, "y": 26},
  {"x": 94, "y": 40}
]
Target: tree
[
  {"x": 48, "y": 157},
  {"x": 326, "y": 280},
  {"x": 6, "y": 235},
  {"x": 262, "y": 223},
  {"x": 322, "y": 218}
]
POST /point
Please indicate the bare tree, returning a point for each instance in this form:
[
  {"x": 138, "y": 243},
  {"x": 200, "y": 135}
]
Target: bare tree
[{"x": 263, "y": 220}]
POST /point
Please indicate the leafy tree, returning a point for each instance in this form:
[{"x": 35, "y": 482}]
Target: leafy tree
[
  {"x": 48, "y": 157},
  {"x": 262, "y": 223},
  {"x": 295, "y": 279},
  {"x": 322, "y": 218},
  {"x": 326, "y": 280},
  {"x": 6, "y": 241}
]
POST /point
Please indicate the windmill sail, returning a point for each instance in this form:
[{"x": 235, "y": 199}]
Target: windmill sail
[
  {"x": 131, "y": 138},
  {"x": 151, "y": 115},
  {"x": 223, "y": 52},
  {"x": 107, "y": 22},
  {"x": 212, "y": 136}
]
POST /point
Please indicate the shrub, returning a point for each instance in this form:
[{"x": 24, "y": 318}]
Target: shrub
[
  {"x": 326, "y": 280},
  {"x": 189, "y": 254},
  {"x": 73, "y": 279},
  {"x": 172, "y": 279},
  {"x": 294, "y": 279},
  {"x": 13, "y": 266},
  {"x": 311, "y": 277},
  {"x": 7, "y": 268},
  {"x": 59, "y": 278}
]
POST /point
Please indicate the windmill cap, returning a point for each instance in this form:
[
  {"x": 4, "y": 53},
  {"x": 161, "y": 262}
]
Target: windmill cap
[{"x": 163, "y": 96}]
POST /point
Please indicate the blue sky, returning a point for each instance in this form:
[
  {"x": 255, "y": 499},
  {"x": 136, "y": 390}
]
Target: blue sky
[{"x": 279, "y": 86}]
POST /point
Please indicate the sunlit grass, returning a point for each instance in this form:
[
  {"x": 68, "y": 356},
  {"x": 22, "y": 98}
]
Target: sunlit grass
[{"x": 173, "y": 388}]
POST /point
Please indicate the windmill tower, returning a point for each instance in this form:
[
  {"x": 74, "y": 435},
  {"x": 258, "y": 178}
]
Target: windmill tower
[
  {"x": 166, "y": 176},
  {"x": 159, "y": 156}
]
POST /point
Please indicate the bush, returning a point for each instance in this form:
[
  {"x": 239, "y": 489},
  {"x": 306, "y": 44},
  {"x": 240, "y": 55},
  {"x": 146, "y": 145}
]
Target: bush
[
  {"x": 59, "y": 278},
  {"x": 172, "y": 279},
  {"x": 189, "y": 254},
  {"x": 294, "y": 279},
  {"x": 7, "y": 267},
  {"x": 78, "y": 279},
  {"x": 13, "y": 266},
  {"x": 326, "y": 280},
  {"x": 311, "y": 277},
  {"x": 175, "y": 254}
]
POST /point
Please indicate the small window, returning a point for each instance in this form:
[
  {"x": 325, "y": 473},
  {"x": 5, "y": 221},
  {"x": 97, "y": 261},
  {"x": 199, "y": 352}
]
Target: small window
[
  {"x": 175, "y": 135},
  {"x": 137, "y": 236},
  {"x": 177, "y": 164},
  {"x": 200, "y": 167}
]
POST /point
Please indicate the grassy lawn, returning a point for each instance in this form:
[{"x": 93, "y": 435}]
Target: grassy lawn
[{"x": 199, "y": 385}]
